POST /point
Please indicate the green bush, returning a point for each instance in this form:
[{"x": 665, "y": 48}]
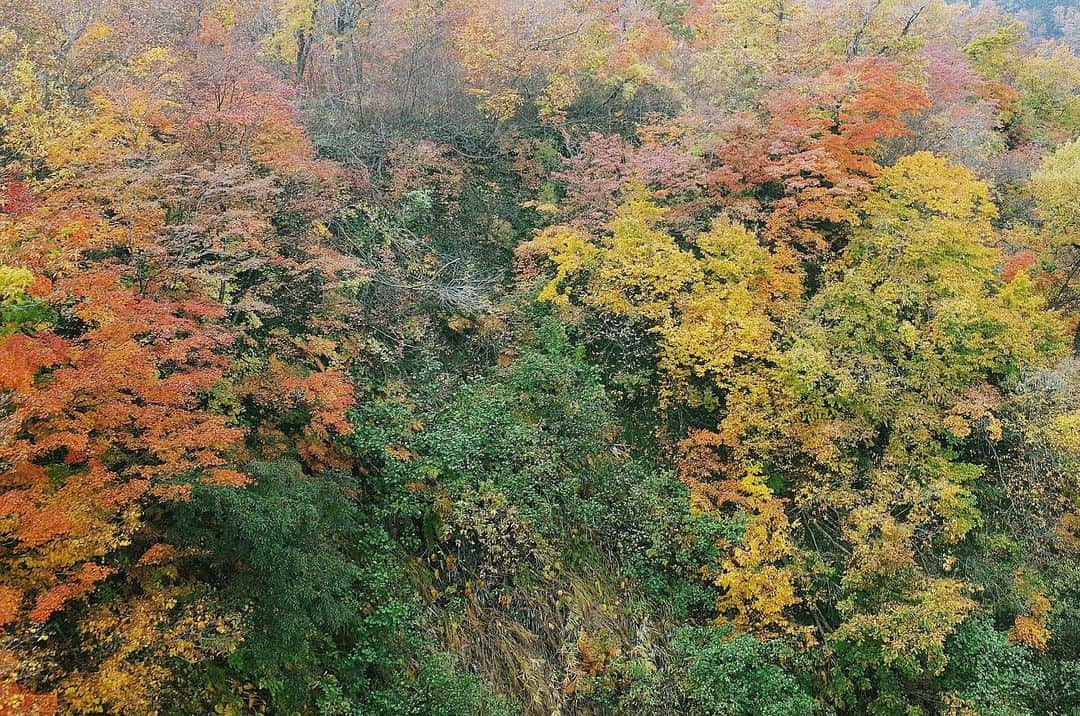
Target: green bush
[
  {"x": 726, "y": 674},
  {"x": 331, "y": 620}
]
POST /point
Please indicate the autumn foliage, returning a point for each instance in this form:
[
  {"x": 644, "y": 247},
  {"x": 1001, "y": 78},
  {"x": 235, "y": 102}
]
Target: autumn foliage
[{"x": 511, "y": 357}]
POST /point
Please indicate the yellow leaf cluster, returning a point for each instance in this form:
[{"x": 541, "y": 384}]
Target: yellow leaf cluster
[{"x": 711, "y": 302}]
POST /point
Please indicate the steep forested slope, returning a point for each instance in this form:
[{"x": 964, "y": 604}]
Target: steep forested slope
[{"x": 705, "y": 357}]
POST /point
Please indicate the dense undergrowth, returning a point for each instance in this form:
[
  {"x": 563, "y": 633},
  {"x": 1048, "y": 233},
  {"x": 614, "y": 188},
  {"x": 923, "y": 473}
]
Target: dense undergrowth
[{"x": 492, "y": 358}]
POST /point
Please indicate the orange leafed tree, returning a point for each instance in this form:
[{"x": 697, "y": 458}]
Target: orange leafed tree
[
  {"x": 99, "y": 427},
  {"x": 104, "y": 387},
  {"x": 817, "y": 149}
]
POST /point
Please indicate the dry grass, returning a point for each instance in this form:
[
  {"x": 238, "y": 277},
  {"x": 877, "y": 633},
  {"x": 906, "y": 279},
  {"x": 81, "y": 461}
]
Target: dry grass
[{"x": 535, "y": 644}]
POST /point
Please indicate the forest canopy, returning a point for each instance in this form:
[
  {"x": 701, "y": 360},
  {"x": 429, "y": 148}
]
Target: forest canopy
[{"x": 535, "y": 357}]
